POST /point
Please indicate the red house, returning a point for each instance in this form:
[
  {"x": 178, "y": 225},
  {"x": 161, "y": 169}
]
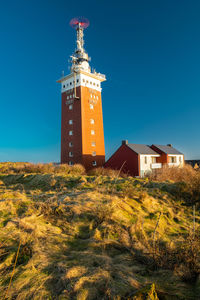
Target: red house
[{"x": 139, "y": 160}]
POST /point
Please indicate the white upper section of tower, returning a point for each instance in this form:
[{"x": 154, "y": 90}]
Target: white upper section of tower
[{"x": 80, "y": 67}]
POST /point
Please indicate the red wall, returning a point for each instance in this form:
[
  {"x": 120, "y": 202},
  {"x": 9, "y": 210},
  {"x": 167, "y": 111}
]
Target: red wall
[
  {"x": 124, "y": 155},
  {"x": 81, "y": 114},
  {"x": 76, "y": 138},
  {"x": 163, "y": 156}
]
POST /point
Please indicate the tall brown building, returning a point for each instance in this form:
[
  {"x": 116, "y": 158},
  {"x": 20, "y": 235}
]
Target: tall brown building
[{"x": 82, "y": 138}]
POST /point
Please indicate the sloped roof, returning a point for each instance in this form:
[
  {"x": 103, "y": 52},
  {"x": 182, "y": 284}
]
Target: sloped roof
[
  {"x": 167, "y": 149},
  {"x": 142, "y": 149}
]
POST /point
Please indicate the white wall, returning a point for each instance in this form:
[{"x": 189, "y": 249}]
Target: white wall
[
  {"x": 82, "y": 80},
  {"x": 145, "y": 168},
  {"x": 177, "y": 163}
]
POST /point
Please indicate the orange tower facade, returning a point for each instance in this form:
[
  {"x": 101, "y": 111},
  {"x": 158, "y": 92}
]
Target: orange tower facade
[{"x": 82, "y": 137}]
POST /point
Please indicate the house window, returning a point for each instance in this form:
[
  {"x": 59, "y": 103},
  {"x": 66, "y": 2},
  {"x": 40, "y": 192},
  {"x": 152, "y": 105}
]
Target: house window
[
  {"x": 83, "y": 80},
  {"x": 70, "y": 83},
  {"x": 173, "y": 159},
  {"x": 93, "y": 153},
  {"x": 97, "y": 84},
  {"x": 70, "y": 144},
  {"x": 153, "y": 160},
  {"x": 94, "y": 163},
  {"x": 91, "y": 106},
  {"x": 91, "y": 95},
  {"x": 180, "y": 160},
  {"x": 67, "y": 84},
  {"x": 77, "y": 80},
  {"x": 70, "y": 132},
  {"x": 93, "y": 144},
  {"x": 86, "y": 81},
  {"x": 97, "y": 97},
  {"x": 71, "y": 154},
  {"x": 92, "y": 132},
  {"x": 63, "y": 86},
  {"x": 71, "y": 163},
  {"x": 145, "y": 160},
  {"x": 90, "y": 82},
  {"x": 70, "y": 106},
  {"x": 70, "y": 122},
  {"x": 67, "y": 97},
  {"x": 70, "y": 96},
  {"x": 93, "y": 83},
  {"x": 73, "y": 95},
  {"x": 91, "y": 121},
  {"x": 94, "y": 96}
]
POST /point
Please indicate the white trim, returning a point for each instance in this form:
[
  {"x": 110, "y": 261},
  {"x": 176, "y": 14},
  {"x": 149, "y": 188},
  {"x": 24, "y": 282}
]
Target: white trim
[{"x": 84, "y": 79}]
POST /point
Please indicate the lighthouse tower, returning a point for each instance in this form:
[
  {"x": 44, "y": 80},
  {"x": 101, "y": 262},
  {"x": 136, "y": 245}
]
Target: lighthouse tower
[{"x": 82, "y": 138}]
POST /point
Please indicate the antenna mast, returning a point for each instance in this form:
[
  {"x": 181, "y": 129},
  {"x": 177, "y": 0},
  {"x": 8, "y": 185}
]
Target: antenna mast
[{"x": 80, "y": 59}]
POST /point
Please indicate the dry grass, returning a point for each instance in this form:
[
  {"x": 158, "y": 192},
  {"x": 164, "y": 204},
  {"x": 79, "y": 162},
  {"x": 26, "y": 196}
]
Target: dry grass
[
  {"x": 28, "y": 168},
  {"x": 96, "y": 237},
  {"x": 187, "y": 179},
  {"x": 176, "y": 174}
]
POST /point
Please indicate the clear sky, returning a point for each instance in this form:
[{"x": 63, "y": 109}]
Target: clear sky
[{"x": 148, "y": 49}]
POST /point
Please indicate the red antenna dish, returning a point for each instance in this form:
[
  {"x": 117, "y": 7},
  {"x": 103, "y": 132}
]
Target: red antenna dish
[{"x": 84, "y": 23}]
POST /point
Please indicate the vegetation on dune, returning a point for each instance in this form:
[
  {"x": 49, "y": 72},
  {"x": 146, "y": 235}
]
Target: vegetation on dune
[{"x": 65, "y": 235}]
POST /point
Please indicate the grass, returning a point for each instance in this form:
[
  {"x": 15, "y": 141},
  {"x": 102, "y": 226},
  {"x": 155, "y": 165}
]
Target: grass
[{"x": 97, "y": 236}]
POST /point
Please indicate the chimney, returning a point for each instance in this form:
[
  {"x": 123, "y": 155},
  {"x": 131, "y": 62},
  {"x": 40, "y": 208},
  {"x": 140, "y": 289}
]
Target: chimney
[
  {"x": 125, "y": 142},
  {"x": 170, "y": 145}
]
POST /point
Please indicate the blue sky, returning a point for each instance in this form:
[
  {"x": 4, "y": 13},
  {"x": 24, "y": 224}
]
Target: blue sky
[{"x": 149, "y": 51}]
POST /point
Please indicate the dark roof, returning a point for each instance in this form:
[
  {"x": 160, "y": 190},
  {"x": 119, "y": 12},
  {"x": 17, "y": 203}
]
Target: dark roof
[
  {"x": 142, "y": 149},
  {"x": 167, "y": 149}
]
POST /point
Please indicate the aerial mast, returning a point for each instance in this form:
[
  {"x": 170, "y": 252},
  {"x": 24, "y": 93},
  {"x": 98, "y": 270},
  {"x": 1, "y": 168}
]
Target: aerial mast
[{"x": 80, "y": 59}]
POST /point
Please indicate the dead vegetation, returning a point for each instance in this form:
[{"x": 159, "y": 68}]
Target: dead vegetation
[{"x": 96, "y": 237}]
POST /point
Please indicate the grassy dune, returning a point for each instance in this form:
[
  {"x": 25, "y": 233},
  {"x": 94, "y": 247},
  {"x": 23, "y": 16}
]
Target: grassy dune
[{"x": 96, "y": 237}]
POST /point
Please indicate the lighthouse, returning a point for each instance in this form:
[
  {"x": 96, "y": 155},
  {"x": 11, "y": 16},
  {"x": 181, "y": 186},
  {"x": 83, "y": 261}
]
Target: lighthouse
[{"x": 82, "y": 137}]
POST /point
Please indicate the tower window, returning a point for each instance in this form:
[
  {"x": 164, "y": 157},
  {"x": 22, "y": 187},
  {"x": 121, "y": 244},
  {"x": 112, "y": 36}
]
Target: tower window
[
  {"x": 90, "y": 82},
  {"x": 71, "y": 163},
  {"x": 77, "y": 80},
  {"x": 97, "y": 84},
  {"x": 91, "y": 106},
  {"x": 70, "y": 144},
  {"x": 91, "y": 121},
  {"x": 93, "y": 153},
  {"x": 70, "y": 122},
  {"x": 70, "y": 106},
  {"x": 93, "y": 144},
  {"x": 83, "y": 80},
  {"x": 91, "y": 95},
  {"x": 86, "y": 81},
  {"x": 63, "y": 86},
  {"x": 94, "y": 163},
  {"x": 93, "y": 83},
  {"x": 70, "y": 132},
  {"x": 92, "y": 132},
  {"x": 71, "y": 154},
  {"x": 70, "y": 83}
]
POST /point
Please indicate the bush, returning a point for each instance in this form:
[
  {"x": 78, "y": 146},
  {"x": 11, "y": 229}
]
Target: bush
[
  {"x": 175, "y": 174},
  {"x": 187, "y": 179}
]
